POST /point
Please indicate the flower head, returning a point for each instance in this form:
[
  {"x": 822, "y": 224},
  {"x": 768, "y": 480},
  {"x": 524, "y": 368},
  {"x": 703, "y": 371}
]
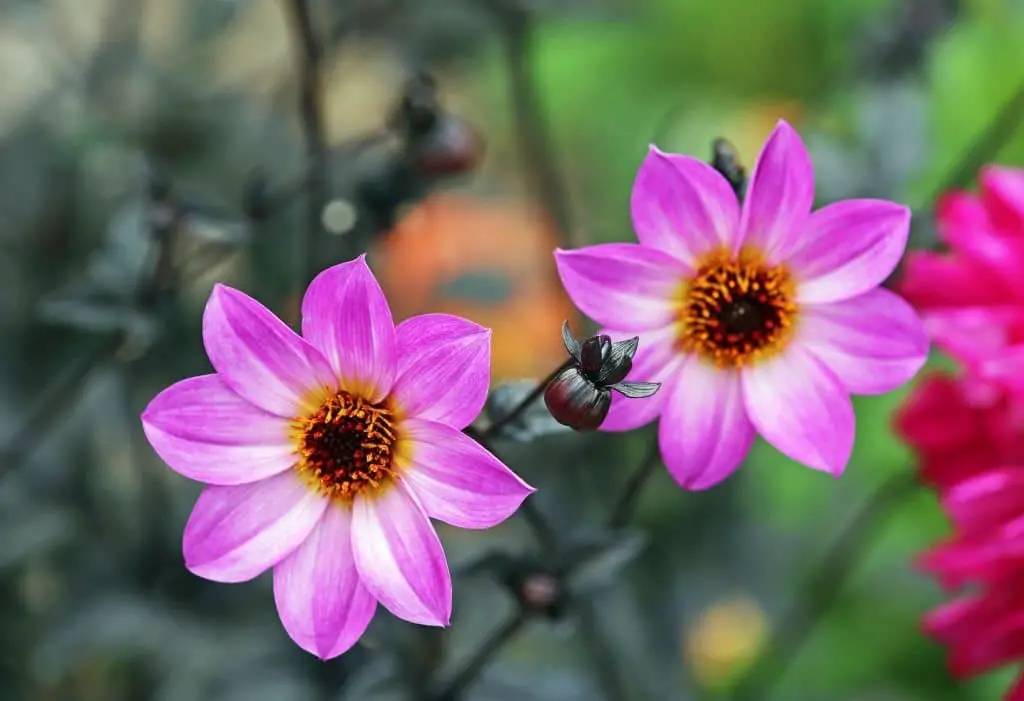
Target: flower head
[
  {"x": 970, "y": 297},
  {"x": 579, "y": 396},
  {"x": 756, "y": 319},
  {"x": 327, "y": 454}
]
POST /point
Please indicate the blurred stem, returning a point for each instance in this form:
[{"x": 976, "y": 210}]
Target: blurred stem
[
  {"x": 602, "y": 657},
  {"x": 532, "y": 132},
  {"x": 484, "y": 655},
  {"x": 311, "y": 115},
  {"x": 623, "y": 510},
  {"x": 821, "y": 589},
  {"x": 517, "y": 411}
]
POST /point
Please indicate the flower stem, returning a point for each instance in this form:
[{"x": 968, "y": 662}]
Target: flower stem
[
  {"x": 517, "y": 411},
  {"x": 491, "y": 646},
  {"x": 624, "y": 507},
  {"x": 822, "y": 588}
]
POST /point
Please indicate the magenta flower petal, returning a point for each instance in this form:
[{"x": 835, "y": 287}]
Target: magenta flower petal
[
  {"x": 236, "y": 533},
  {"x": 802, "y": 409},
  {"x": 704, "y": 432},
  {"x": 985, "y": 501},
  {"x": 206, "y": 432},
  {"x": 400, "y": 558},
  {"x": 457, "y": 480},
  {"x": 683, "y": 206},
  {"x": 259, "y": 357},
  {"x": 656, "y": 360},
  {"x": 345, "y": 315},
  {"x": 322, "y": 603},
  {"x": 779, "y": 197},
  {"x": 1002, "y": 190},
  {"x": 624, "y": 285},
  {"x": 873, "y": 343},
  {"x": 444, "y": 368},
  {"x": 848, "y": 248}
]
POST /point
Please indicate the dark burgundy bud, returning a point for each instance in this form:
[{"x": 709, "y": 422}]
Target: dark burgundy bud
[
  {"x": 417, "y": 112},
  {"x": 543, "y": 593},
  {"x": 579, "y": 395},
  {"x": 452, "y": 147},
  {"x": 726, "y": 161}
]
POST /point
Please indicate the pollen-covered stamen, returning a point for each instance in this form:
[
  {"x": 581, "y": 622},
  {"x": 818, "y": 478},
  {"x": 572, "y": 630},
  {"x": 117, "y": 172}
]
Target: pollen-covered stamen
[
  {"x": 347, "y": 446},
  {"x": 737, "y": 309}
]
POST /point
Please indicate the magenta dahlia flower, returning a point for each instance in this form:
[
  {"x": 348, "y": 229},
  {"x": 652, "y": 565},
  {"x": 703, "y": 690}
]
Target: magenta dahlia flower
[
  {"x": 756, "y": 319},
  {"x": 328, "y": 454},
  {"x": 971, "y": 297}
]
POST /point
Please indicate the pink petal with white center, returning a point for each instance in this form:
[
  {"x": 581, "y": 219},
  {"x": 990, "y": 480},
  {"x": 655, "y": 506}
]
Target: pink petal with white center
[
  {"x": 236, "y": 533},
  {"x": 704, "y": 432},
  {"x": 456, "y": 479},
  {"x": 345, "y": 315},
  {"x": 779, "y": 197},
  {"x": 206, "y": 432},
  {"x": 683, "y": 206},
  {"x": 624, "y": 285},
  {"x": 849, "y": 248},
  {"x": 1002, "y": 190},
  {"x": 802, "y": 408},
  {"x": 444, "y": 368},
  {"x": 986, "y": 501},
  {"x": 323, "y": 605},
  {"x": 873, "y": 343},
  {"x": 656, "y": 360},
  {"x": 259, "y": 357},
  {"x": 399, "y": 556}
]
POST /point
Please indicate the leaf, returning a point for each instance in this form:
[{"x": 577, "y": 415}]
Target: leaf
[{"x": 532, "y": 423}]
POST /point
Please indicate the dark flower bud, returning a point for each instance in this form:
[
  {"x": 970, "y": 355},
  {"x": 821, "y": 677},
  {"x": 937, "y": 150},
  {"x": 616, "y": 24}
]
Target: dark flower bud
[
  {"x": 417, "y": 111},
  {"x": 452, "y": 147},
  {"x": 579, "y": 396},
  {"x": 726, "y": 161}
]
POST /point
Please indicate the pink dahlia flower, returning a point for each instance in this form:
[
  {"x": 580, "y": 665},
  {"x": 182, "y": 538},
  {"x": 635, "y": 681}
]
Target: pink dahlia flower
[
  {"x": 755, "y": 319},
  {"x": 971, "y": 297},
  {"x": 328, "y": 454}
]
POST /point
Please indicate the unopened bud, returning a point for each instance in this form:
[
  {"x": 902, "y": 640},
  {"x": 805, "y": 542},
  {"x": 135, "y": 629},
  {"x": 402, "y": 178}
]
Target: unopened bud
[{"x": 726, "y": 160}]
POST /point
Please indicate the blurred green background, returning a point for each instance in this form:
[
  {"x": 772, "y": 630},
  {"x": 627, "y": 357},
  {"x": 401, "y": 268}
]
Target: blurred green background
[{"x": 96, "y": 603}]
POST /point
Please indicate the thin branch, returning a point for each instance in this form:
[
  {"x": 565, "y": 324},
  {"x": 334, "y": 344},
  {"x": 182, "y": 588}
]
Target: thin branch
[
  {"x": 517, "y": 411},
  {"x": 311, "y": 114},
  {"x": 488, "y": 649},
  {"x": 822, "y": 588},
  {"x": 532, "y": 132},
  {"x": 623, "y": 509},
  {"x": 601, "y": 656}
]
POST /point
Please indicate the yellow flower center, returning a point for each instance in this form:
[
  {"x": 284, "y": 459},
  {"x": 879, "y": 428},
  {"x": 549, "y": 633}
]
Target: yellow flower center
[
  {"x": 347, "y": 446},
  {"x": 737, "y": 309}
]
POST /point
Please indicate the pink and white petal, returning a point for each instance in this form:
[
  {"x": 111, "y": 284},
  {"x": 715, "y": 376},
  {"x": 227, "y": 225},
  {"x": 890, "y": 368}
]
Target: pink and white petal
[
  {"x": 1002, "y": 190},
  {"x": 206, "y": 432},
  {"x": 457, "y": 480},
  {"x": 399, "y": 556},
  {"x": 799, "y": 406},
  {"x": 779, "y": 197},
  {"x": 625, "y": 285},
  {"x": 322, "y": 603},
  {"x": 683, "y": 206},
  {"x": 704, "y": 432},
  {"x": 444, "y": 368},
  {"x": 259, "y": 357},
  {"x": 345, "y": 315},
  {"x": 656, "y": 360},
  {"x": 848, "y": 248},
  {"x": 873, "y": 343},
  {"x": 236, "y": 533}
]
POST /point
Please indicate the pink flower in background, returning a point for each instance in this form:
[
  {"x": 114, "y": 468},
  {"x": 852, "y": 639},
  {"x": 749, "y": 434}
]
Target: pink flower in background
[
  {"x": 328, "y": 454},
  {"x": 761, "y": 319},
  {"x": 971, "y": 297}
]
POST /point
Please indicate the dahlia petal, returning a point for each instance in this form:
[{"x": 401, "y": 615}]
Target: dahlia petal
[
  {"x": 258, "y": 357},
  {"x": 1005, "y": 367},
  {"x": 973, "y": 334},
  {"x": 704, "y": 433},
  {"x": 937, "y": 279},
  {"x": 1016, "y": 692},
  {"x": 400, "y": 558},
  {"x": 656, "y": 360},
  {"x": 345, "y": 315},
  {"x": 444, "y": 368},
  {"x": 624, "y": 285},
  {"x": 1002, "y": 190},
  {"x": 683, "y": 206},
  {"x": 996, "y": 645},
  {"x": 322, "y": 603},
  {"x": 849, "y": 248},
  {"x": 965, "y": 226},
  {"x": 802, "y": 409},
  {"x": 206, "y": 432},
  {"x": 959, "y": 215},
  {"x": 873, "y": 343},
  {"x": 456, "y": 479},
  {"x": 236, "y": 533},
  {"x": 779, "y": 197},
  {"x": 986, "y": 501}
]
